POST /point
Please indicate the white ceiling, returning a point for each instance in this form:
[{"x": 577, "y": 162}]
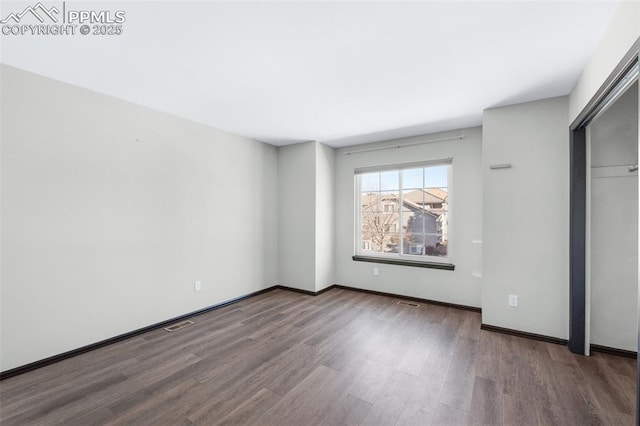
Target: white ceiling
[{"x": 340, "y": 72}]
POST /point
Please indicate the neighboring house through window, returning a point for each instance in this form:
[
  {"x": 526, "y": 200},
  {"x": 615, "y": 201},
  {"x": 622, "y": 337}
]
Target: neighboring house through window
[{"x": 404, "y": 211}]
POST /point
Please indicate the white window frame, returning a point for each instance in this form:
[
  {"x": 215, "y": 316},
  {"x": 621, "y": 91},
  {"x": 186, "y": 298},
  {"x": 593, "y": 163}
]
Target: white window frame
[{"x": 448, "y": 259}]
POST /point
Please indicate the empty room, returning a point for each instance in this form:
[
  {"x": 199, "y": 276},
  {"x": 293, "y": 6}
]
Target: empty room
[{"x": 319, "y": 213}]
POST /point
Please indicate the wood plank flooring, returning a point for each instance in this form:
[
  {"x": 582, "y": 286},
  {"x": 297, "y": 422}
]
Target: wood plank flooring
[{"x": 341, "y": 358}]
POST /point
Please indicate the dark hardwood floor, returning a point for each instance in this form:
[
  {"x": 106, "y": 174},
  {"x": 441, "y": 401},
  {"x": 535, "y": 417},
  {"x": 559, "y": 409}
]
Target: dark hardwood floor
[{"x": 341, "y": 358}]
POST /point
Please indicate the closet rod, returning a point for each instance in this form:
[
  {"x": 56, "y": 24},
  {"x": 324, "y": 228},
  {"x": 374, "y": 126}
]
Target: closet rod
[{"x": 631, "y": 166}]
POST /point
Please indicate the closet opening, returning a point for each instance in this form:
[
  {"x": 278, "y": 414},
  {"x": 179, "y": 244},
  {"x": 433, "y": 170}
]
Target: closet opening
[{"x": 622, "y": 81}]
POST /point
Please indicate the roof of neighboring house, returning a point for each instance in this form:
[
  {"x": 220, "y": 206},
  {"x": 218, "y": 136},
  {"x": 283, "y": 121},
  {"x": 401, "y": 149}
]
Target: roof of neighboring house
[
  {"x": 370, "y": 199},
  {"x": 427, "y": 196}
]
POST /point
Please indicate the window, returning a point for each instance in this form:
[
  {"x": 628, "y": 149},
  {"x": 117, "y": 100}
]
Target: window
[
  {"x": 415, "y": 248},
  {"x": 391, "y": 227},
  {"x": 404, "y": 212}
]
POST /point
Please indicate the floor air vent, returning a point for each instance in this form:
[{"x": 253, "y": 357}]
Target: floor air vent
[
  {"x": 413, "y": 305},
  {"x": 179, "y": 325}
]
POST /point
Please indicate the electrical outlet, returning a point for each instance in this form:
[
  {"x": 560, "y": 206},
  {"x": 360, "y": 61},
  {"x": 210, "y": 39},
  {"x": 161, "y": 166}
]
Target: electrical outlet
[
  {"x": 197, "y": 286},
  {"x": 376, "y": 272},
  {"x": 513, "y": 300}
]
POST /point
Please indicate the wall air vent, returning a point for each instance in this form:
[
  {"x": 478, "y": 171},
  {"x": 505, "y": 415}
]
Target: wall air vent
[
  {"x": 413, "y": 305},
  {"x": 179, "y": 325}
]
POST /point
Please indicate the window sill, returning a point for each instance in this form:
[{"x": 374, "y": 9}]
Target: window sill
[{"x": 403, "y": 262}]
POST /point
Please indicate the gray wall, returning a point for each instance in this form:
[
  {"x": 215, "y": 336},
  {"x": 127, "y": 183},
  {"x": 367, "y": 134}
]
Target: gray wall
[
  {"x": 110, "y": 212},
  {"x": 621, "y": 34},
  {"x": 306, "y": 221},
  {"x": 614, "y": 225},
  {"x": 614, "y": 135},
  {"x": 526, "y": 217},
  {"x": 297, "y": 216},
  {"x": 325, "y": 216},
  {"x": 458, "y": 286}
]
